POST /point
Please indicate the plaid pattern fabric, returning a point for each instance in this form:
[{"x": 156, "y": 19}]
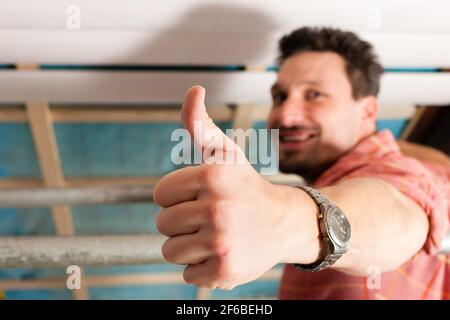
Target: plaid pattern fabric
[{"x": 424, "y": 276}]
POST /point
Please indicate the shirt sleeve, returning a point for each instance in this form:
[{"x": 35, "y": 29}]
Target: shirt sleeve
[{"x": 427, "y": 184}]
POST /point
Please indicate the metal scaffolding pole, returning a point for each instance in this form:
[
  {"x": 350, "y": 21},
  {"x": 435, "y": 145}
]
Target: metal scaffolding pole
[
  {"x": 47, "y": 197},
  {"x": 35, "y": 252}
]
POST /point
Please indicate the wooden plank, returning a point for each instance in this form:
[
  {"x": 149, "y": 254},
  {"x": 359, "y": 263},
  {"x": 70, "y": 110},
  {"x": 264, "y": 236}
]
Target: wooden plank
[
  {"x": 399, "y": 92},
  {"x": 203, "y": 294},
  {"x": 137, "y": 279},
  {"x": 12, "y": 114},
  {"x": 27, "y": 66},
  {"x": 128, "y": 114},
  {"x": 413, "y": 121},
  {"x": 432, "y": 129},
  {"x": 111, "y": 114},
  {"x": 107, "y": 114},
  {"x": 41, "y": 124},
  {"x": 13, "y": 183},
  {"x": 243, "y": 119}
]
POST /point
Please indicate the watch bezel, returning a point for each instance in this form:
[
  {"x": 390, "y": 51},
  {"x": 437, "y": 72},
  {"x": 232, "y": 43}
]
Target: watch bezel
[{"x": 336, "y": 240}]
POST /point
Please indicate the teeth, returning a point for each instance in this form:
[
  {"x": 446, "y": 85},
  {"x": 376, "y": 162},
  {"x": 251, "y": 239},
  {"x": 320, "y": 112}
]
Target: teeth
[{"x": 296, "y": 138}]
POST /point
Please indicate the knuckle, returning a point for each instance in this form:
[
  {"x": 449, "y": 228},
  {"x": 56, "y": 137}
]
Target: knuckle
[
  {"x": 212, "y": 175},
  {"x": 218, "y": 213},
  {"x": 219, "y": 245},
  {"x": 223, "y": 270}
]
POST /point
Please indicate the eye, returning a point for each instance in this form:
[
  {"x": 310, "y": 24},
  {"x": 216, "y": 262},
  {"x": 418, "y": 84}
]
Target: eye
[
  {"x": 313, "y": 94},
  {"x": 278, "y": 97}
]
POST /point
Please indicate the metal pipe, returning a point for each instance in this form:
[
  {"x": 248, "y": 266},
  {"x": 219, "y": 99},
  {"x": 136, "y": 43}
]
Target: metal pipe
[
  {"x": 31, "y": 252},
  {"x": 47, "y": 197}
]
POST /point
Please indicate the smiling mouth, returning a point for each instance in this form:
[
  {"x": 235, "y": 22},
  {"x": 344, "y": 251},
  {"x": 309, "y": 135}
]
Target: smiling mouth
[
  {"x": 293, "y": 137},
  {"x": 296, "y": 140}
]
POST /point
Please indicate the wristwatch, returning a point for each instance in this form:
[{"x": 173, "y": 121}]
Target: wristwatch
[{"x": 334, "y": 229}]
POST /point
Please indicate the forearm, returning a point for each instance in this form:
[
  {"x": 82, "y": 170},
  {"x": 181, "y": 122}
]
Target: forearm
[{"x": 388, "y": 228}]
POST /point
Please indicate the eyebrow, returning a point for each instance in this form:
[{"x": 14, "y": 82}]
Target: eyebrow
[{"x": 276, "y": 86}]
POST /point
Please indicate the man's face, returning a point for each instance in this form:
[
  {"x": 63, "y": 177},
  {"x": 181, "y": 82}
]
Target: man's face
[{"x": 313, "y": 107}]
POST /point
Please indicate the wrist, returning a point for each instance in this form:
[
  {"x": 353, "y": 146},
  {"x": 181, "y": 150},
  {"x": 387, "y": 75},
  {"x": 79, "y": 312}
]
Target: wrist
[{"x": 302, "y": 236}]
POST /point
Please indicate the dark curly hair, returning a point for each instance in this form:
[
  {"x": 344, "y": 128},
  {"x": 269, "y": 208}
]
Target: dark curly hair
[{"x": 363, "y": 68}]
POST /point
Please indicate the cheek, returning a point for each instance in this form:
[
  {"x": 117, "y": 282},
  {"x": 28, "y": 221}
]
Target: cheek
[{"x": 339, "y": 127}]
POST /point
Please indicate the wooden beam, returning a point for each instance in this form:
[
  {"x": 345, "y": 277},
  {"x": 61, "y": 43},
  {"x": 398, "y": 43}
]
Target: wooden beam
[
  {"x": 243, "y": 118},
  {"x": 137, "y": 279},
  {"x": 12, "y": 114},
  {"x": 203, "y": 294},
  {"x": 431, "y": 128},
  {"x": 41, "y": 124},
  {"x": 111, "y": 114},
  {"x": 47, "y": 152},
  {"x": 157, "y": 114},
  {"x": 24, "y": 183},
  {"x": 413, "y": 121},
  {"x": 27, "y": 66}
]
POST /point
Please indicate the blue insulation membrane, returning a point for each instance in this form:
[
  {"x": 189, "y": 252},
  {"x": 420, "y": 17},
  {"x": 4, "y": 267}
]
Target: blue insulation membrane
[
  {"x": 274, "y": 68},
  {"x": 192, "y": 68},
  {"x": 17, "y": 154},
  {"x": 259, "y": 289},
  {"x": 106, "y": 150}
]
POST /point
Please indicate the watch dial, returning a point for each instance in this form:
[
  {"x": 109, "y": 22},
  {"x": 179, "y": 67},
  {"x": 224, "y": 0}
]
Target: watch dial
[{"x": 338, "y": 227}]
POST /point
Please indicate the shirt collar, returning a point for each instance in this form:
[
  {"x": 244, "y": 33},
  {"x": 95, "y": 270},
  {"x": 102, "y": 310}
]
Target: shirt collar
[{"x": 374, "y": 146}]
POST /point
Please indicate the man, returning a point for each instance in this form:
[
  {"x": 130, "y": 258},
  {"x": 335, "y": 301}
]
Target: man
[{"x": 371, "y": 209}]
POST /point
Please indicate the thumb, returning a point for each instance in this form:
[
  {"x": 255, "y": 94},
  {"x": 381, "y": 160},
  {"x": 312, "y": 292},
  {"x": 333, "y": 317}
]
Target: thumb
[{"x": 209, "y": 138}]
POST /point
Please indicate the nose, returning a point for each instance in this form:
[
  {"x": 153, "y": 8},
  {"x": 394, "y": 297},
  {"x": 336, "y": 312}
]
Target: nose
[{"x": 292, "y": 112}]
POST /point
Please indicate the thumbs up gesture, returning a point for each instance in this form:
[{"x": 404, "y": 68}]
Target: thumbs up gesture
[{"x": 223, "y": 220}]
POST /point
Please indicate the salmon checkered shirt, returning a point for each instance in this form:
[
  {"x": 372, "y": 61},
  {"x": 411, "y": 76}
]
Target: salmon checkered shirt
[{"x": 424, "y": 276}]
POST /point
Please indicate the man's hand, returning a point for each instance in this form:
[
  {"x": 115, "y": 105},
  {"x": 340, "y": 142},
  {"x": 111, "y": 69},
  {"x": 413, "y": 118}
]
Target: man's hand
[{"x": 227, "y": 223}]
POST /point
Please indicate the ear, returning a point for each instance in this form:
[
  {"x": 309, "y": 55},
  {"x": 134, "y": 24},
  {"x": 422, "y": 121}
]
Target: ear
[{"x": 369, "y": 113}]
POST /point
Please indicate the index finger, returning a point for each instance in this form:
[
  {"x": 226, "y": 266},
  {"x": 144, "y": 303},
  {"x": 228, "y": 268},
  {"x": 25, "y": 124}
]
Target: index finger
[{"x": 178, "y": 186}]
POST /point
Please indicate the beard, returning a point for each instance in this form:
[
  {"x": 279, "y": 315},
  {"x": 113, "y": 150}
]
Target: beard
[{"x": 310, "y": 164}]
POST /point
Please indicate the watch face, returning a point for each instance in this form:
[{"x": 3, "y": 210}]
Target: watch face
[{"x": 338, "y": 227}]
